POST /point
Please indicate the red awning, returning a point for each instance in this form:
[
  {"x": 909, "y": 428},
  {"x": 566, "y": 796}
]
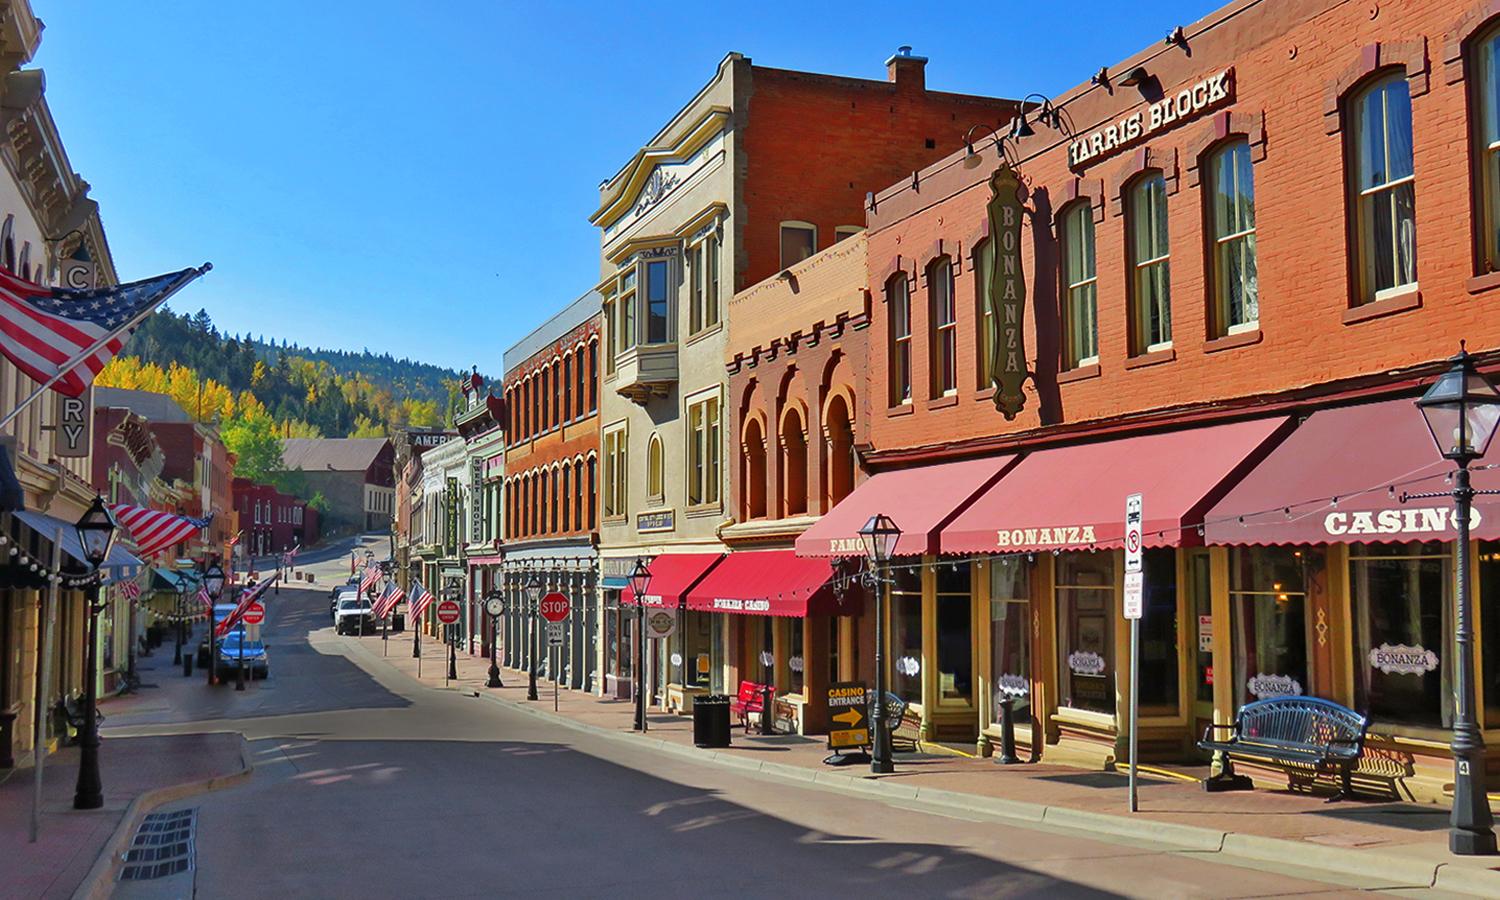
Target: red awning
[
  {"x": 1073, "y": 498},
  {"x": 772, "y": 583},
  {"x": 920, "y": 501},
  {"x": 1366, "y": 456},
  {"x": 672, "y": 574}
]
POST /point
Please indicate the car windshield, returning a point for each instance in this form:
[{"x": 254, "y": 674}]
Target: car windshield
[
  {"x": 353, "y": 603},
  {"x": 232, "y": 643}
]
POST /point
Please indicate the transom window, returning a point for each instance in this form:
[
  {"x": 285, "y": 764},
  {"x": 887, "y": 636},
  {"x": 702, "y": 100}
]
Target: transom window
[
  {"x": 1485, "y": 100},
  {"x": 944, "y": 325},
  {"x": 1080, "y": 288},
  {"x": 1151, "y": 281},
  {"x": 1384, "y": 189},
  {"x": 1235, "y": 282},
  {"x": 898, "y": 312}
]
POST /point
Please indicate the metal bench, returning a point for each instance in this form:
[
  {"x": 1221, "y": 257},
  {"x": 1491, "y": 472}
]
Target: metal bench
[
  {"x": 750, "y": 699},
  {"x": 1301, "y": 730}
]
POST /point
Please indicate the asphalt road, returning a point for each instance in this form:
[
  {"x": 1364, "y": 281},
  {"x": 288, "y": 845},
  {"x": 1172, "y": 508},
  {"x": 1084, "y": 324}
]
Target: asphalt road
[{"x": 369, "y": 784}]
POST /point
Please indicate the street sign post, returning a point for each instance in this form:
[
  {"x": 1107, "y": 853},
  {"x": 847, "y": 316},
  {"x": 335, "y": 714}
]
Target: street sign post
[
  {"x": 448, "y": 611},
  {"x": 1135, "y": 583},
  {"x": 555, "y": 634},
  {"x": 555, "y": 607},
  {"x": 255, "y": 614},
  {"x": 847, "y": 707}
]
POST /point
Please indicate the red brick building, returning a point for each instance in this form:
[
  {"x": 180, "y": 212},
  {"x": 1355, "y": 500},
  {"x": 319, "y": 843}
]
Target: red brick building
[
  {"x": 272, "y": 522},
  {"x": 1237, "y": 257}
]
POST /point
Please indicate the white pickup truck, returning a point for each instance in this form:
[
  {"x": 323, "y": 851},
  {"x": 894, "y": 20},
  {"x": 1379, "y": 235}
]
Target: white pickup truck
[{"x": 353, "y": 616}]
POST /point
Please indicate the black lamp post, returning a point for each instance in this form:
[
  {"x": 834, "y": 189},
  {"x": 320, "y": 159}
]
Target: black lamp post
[
  {"x": 640, "y": 580},
  {"x": 213, "y": 582},
  {"x": 177, "y": 628},
  {"x": 533, "y": 597},
  {"x": 1462, "y": 410},
  {"x": 96, "y": 532},
  {"x": 879, "y": 536},
  {"x": 494, "y": 605}
]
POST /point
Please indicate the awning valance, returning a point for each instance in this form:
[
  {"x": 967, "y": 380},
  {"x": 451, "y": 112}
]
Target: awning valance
[
  {"x": 120, "y": 565},
  {"x": 772, "y": 583},
  {"x": 1073, "y": 498},
  {"x": 672, "y": 575},
  {"x": 920, "y": 501}
]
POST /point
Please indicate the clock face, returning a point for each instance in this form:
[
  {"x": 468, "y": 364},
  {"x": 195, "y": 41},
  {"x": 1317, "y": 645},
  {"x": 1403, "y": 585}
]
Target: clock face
[{"x": 493, "y": 606}]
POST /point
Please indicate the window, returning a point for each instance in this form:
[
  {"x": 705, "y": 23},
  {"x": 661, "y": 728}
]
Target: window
[
  {"x": 1236, "y": 286},
  {"x": 614, "y": 473},
  {"x": 943, "y": 328},
  {"x": 1080, "y": 310},
  {"x": 1010, "y": 635},
  {"x": 593, "y": 490},
  {"x": 653, "y": 469},
  {"x": 578, "y": 521},
  {"x": 1150, "y": 282},
  {"x": 799, "y": 240},
  {"x": 567, "y": 388},
  {"x": 796, "y": 662},
  {"x": 611, "y": 334},
  {"x": 1485, "y": 103},
  {"x": 1268, "y": 620},
  {"x": 703, "y": 275},
  {"x": 846, "y": 231},
  {"x": 1402, "y": 600},
  {"x": 906, "y": 634},
  {"x": 839, "y": 434},
  {"x": 793, "y": 464},
  {"x": 753, "y": 476},
  {"x": 1384, "y": 192},
  {"x": 593, "y": 376},
  {"x": 703, "y": 453},
  {"x": 658, "y": 305},
  {"x": 627, "y": 312},
  {"x": 1158, "y": 687},
  {"x": 1086, "y": 630},
  {"x": 986, "y": 334},
  {"x": 955, "y": 653},
  {"x": 695, "y": 288},
  {"x": 898, "y": 314}
]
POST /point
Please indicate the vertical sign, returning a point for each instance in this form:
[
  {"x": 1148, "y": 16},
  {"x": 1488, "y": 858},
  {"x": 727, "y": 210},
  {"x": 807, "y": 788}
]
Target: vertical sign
[
  {"x": 1007, "y": 297},
  {"x": 71, "y": 438},
  {"x": 476, "y": 500},
  {"x": 1134, "y": 578}
]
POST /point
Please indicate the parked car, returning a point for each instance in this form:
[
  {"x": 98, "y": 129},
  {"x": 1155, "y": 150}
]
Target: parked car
[
  {"x": 205, "y": 647},
  {"x": 342, "y": 592},
  {"x": 257, "y": 661},
  {"x": 353, "y": 616},
  {"x": 352, "y": 582}
]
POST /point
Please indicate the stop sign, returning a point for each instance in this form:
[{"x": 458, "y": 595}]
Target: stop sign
[
  {"x": 554, "y": 607},
  {"x": 448, "y": 611},
  {"x": 255, "y": 614}
]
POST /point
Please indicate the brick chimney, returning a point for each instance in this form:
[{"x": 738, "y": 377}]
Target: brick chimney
[{"x": 906, "y": 70}]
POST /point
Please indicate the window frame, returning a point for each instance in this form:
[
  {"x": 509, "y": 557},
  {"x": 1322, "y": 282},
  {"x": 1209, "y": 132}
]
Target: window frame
[
  {"x": 616, "y": 464},
  {"x": 703, "y": 473},
  {"x": 1218, "y": 305},
  {"x": 942, "y": 329},
  {"x": 1140, "y": 342},
  {"x": 796, "y": 225},
  {"x": 655, "y": 469},
  {"x": 1083, "y": 209},
  {"x": 899, "y": 389},
  {"x": 1484, "y": 156},
  {"x": 1361, "y": 257}
]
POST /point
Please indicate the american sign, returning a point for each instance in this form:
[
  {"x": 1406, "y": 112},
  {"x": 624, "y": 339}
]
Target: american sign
[
  {"x": 1007, "y": 293},
  {"x": 1187, "y": 103}
]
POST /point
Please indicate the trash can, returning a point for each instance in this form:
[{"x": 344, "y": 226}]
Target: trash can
[
  {"x": 711, "y": 721},
  {"x": 187, "y": 664}
]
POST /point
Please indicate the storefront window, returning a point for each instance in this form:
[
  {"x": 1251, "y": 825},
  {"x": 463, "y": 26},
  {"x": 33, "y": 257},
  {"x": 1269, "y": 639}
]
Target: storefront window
[
  {"x": 716, "y": 657},
  {"x": 1402, "y": 599},
  {"x": 697, "y": 651},
  {"x": 833, "y": 651},
  {"x": 906, "y": 634},
  {"x": 955, "y": 651},
  {"x": 796, "y": 661},
  {"x": 1010, "y": 635},
  {"x": 1085, "y": 630},
  {"x": 1158, "y": 690},
  {"x": 1268, "y": 589},
  {"x": 1203, "y": 623}
]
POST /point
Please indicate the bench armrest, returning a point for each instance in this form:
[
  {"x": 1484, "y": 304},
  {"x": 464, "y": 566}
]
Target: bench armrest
[{"x": 1208, "y": 733}]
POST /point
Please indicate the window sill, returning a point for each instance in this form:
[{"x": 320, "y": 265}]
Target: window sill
[
  {"x": 702, "y": 510},
  {"x": 697, "y": 336},
  {"x": 617, "y": 520},
  {"x": 1479, "y": 284},
  {"x": 943, "y": 402},
  {"x": 1082, "y": 373},
  {"x": 1084, "y": 718},
  {"x": 1231, "y": 341},
  {"x": 1151, "y": 358},
  {"x": 901, "y": 409},
  {"x": 1396, "y": 303}
]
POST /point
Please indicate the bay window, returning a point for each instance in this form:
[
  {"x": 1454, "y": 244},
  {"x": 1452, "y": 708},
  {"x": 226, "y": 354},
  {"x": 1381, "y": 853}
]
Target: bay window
[{"x": 658, "y": 301}]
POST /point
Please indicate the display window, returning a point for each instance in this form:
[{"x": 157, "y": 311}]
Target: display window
[
  {"x": 1401, "y": 600},
  {"x": 1268, "y": 590},
  {"x": 906, "y": 634},
  {"x": 1010, "y": 635},
  {"x": 1159, "y": 669},
  {"x": 1085, "y": 591},
  {"x": 955, "y": 641}
]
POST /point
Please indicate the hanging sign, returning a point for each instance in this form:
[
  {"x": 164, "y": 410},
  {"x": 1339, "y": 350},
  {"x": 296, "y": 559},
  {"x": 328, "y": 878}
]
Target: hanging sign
[
  {"x": 1265, "y": 686},
  {"x": 847, "y": 711},
  {"x": 661, "y": 623},
  {"x": 72, "y": 436},
  {"x": 1007, "y": 295},
  {"x": 1403, "y": 660}
]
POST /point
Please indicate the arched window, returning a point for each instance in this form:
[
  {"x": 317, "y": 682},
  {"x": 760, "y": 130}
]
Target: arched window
[
  {"x": 1231, "y": 199},
  {"x": 557, "y": 389},
  {"x": 567, "y": 381},
  {"x": 552, "y": 501},
  {"x": 25, "y": 264},
  {"x": 566, "y": 495},
  {"x": 753, "y": 473},
  {"x": 1382, "y": 188},
  {"x": 793, "y": 463},
  {"x": 1484, "y": 100},
  {"x": 593, "y": 492},
  {"x": 1150, "y": 264},
  {"x": 840, "y": 435},
  {"x": 593, "y": 377},
  {"x": 578, "y": 520},
  {"x": 8, "y": 244},
  {"x": 545, "y": 492},
  {"x": 942, "y": 325},
  {"x": 1080, "y": 308},
  {"x": 898, "y": 337},
  {"x": 654, "y": 489}
]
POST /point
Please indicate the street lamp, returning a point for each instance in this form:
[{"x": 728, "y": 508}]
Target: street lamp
[
  {"x": 494, "y": 605},
  {"x": 213, "y": 582},
  {"x": 96, "y": 533},
  {"x": 1461, "y": 410},
  {"x": 640, "y": 580},
  {"x": 533, "y": 597},
  {"x": 879, "y": 537}
]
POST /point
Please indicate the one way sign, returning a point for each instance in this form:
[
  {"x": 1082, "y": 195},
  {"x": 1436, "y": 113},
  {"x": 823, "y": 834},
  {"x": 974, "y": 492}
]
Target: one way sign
[{"x": 73, "y": 433}]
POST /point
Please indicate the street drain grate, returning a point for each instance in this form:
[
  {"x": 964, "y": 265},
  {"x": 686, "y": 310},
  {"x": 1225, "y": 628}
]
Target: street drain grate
[{"x": 162, "y": 846}]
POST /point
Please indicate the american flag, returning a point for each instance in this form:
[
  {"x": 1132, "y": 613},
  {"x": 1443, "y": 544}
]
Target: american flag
[
  {"x": 154, "y": 530},
  {"x": 131, "y": 590},
  {"x": 246, "y": 598},
  {"x": 236, "y": 539},
  {"x": 387, "y": 602},
  {"x": 420, "y": 598},
  {"x": 372, "y": 575},
  {"x": 206, "y": 598},
  {"x": 45, "y": 330}
]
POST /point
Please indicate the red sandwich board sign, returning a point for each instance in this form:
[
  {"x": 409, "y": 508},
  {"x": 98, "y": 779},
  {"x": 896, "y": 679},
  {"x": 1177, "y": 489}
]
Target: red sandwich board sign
[
  {"x": 255, "y": 614},
  {"x": 448, "y": 611},
  {"x": 555, "y": 607}
]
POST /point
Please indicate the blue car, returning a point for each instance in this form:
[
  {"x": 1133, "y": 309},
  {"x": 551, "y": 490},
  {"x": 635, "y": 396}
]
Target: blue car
[{"x": 234, "y": 646}]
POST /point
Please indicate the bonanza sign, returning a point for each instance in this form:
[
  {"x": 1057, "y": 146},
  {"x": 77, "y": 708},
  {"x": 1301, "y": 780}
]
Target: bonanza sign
[{"x": 1007, "y": 296}]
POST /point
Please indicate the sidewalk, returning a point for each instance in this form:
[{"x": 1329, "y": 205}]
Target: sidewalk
[
  {"x": 1405, "y": 842},
  {"x": 137, "y": 772}
]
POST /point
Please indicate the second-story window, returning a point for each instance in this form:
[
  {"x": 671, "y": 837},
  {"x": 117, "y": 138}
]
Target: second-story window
[
  {"x": 1151, "y": 280},
  {"x": 703, "y": 287},
  {"x": 1080, "y": 310},
  {"x": 1236, "y": 289},
  {"x": 985, "y": 334},
  {"x": 611, "y": 334},
  {"x": 703, "y": 452},
  {"x": 654, "y": 469},
  {"x": 658, "y": 301},
  {"x": 614, "y": 473},
  {"x": 943, "y": 325},
  {"x": 567, "y": 388},
  {"x": 1384, "y": 192},
  {"x": 627, "y": 312},
  {"x": 898, "y": 320},
  {"x": 799, "y": 240},
  {"x": 1484, "y": 79}
]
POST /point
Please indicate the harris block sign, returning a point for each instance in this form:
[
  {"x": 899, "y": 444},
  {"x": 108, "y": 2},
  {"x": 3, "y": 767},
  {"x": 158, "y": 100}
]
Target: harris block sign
[{"x": 1007, "y": 294}]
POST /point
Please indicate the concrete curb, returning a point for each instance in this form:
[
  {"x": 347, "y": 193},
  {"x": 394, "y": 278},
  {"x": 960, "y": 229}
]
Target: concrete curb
[
  {"x": 1363, "y": 864},
  {"x": 100, "y": 881}
]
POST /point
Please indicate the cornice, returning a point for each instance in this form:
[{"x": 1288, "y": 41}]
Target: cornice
[{"x": 620, "y": 193}]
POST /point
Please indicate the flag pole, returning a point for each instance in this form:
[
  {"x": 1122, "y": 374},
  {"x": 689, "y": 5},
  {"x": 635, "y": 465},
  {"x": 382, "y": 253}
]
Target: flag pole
[{"x": 188, "y": 277}]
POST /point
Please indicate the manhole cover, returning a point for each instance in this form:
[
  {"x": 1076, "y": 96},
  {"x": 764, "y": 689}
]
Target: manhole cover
[{"x": 162, "y": 846}]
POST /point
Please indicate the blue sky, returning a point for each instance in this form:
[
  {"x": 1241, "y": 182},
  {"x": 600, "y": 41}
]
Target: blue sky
[{"x": 416, "y": 178}]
